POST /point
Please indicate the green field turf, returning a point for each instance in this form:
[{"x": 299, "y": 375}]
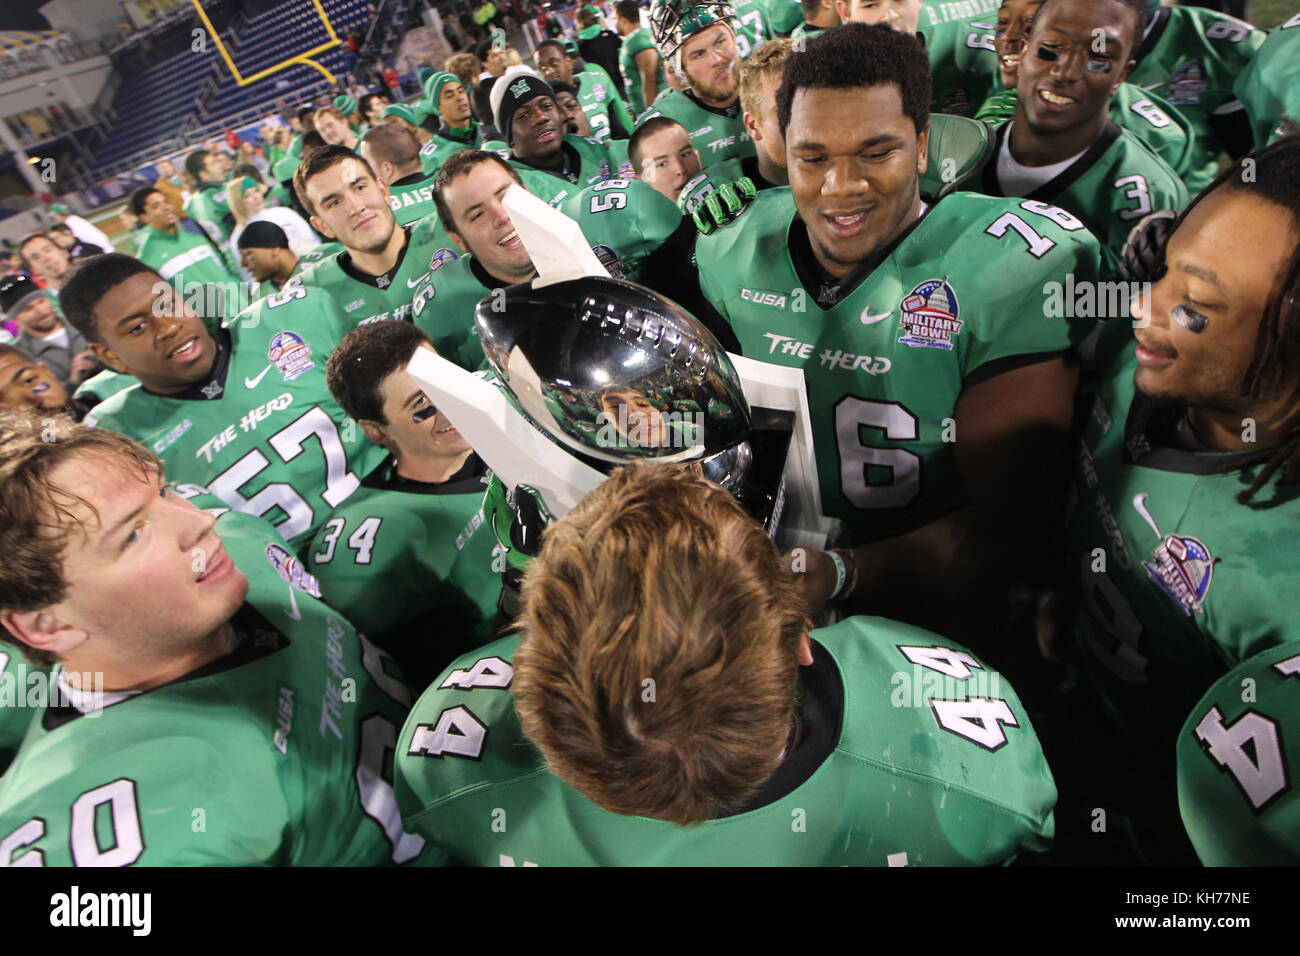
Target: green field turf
[{"x": 1269, "y": 13}]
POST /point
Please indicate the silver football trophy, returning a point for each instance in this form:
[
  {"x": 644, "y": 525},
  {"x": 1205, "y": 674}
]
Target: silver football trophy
[{"x": 592, "y": 372}]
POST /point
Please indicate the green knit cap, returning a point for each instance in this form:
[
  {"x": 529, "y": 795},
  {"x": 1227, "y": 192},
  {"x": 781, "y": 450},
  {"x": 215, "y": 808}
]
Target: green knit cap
[
  {"x": 402, "y": 110},
  {"x": 433, "y": 89},
  {"x": 345, "y": 105}
]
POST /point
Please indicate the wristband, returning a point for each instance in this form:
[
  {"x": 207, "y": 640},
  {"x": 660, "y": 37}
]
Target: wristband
[
  {"x": 851, "y": 585},
  {"x": 840, "y": 574}
]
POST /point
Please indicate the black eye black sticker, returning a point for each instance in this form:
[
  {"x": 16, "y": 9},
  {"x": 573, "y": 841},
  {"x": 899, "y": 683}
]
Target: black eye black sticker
[
  {"x": 424, "y": 414},
  {"x": 1190, "y": 319}
]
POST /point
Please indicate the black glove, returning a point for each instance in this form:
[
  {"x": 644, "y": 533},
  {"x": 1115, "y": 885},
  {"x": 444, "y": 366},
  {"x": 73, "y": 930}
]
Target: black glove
[{"x": 1144, "y": 252}]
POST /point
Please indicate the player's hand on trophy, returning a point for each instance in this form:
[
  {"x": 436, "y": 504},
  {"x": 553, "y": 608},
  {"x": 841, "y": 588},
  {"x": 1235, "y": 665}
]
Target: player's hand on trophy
[
  {"x": 724, "y": 204},
  {"x": 1144, "y": 252},
  {"x": 817, "y": 575}
]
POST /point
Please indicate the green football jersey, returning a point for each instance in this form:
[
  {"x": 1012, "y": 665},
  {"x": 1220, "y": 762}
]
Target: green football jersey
[
  {"x": 598, "y": 97},
  {"x": 1162, "y": 129},
  {"x": 446, "y": 142},
  {"x": 263, "y": 433},
  {"x": 103, "y": 385},
  {"x": 620, "y": 163},
  {"x": 1269, "y": 86},
  {"x": 804, "y": 32},
  {"x": 14, "y": 714},
  {"x": 184, "y": 254},
  {"x": 1110, "y": 188},
  {"x": 306, "y": 260},
  {"x": 885, "y": 354},
  {"x": 427, "y": 549},
  {"x": 365, "y": 298},
  {"x": 1191, "y": 58},
  {"x": 1173, "y": 580},
  {"x": 940, "y": 772},
  {"x": 585, "y": 162},
  {"x": 211, "y": 210},
  {"x": 445, "y": 308},
  {"x": 750, "y": 26},
  {"x": 783, "y": 16},
  {"x": 626, "y": 221},
  {"x": 634, "y": 43},
  {"x": 412, "y": 198},
  {"x": 1237, "y": 757},
  {"x": 272, "y": 755},
  {"x": 963, "y": 63},
  {"x": 719, "y": 134}
]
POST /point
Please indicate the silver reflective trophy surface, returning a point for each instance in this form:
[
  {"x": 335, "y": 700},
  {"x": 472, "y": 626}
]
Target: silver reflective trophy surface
[
  {"x": 592, "y": 372},
  {"x": 615, "y": 372}
]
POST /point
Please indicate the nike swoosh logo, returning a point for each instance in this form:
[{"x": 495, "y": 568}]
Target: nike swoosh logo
[
  {"x": 869, "y": 319},
  {"x": 253, "y": 382},
  {"x": 412, "y": 285},
  {"x": 1140, "y": 506}
]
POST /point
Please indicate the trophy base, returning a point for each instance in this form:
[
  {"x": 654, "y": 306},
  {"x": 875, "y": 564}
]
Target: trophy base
[{"x": 763, "y": 493}]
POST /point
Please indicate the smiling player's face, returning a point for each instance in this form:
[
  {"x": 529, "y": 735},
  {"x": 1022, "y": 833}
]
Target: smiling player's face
[
  {"x": 854, "y": 160},
  {"x": 148, "y": 332},
  {"x": 1197, "y": 330},
  {"x": 150, "y": 578},
  {"x": 352, "y": 206}
]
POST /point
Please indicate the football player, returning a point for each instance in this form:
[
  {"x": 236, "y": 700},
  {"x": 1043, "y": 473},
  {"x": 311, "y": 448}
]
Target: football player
[
  {"x": 663, "y": 157},
  {"x": 553, "y": 164},
  {"x": 333, "y": 128},
  {"x": 383, "y": 268},
  {"x": 26, "y": 384},
  {"x": 208, "y": 205},
  {"x": 700, "y": 41},
  {"x": 1061, "y": 148},
  {"x": 607, "y": 114},
  {"x": 416, "y": 524},
  {"x": 394, "y": 154},
  {"x": 665, "y": 704},
  {"x": 960, "y": 48},
  {"x": 1269, "y": 86},
  {"x": 638, "y": 58},
  {"x": 1191, "y": 58},
  {"x": 818, "y": 15},
  {"x": 1182, "y": 562},
  {"x": 760, "y": 76},
  {"x": 1164, "y": 130},
  {"x": 446, "y": 99},
  {"x": 1237, "y": 755},
  {"x": 216, "y": 727},
  {"x": 243, "y": 410},
  {"x": 940, "y": 392},
  {"x": 264, "y": 251},
  {"x": 626, "y": 222},
  {"x": 183, "y": 258}
]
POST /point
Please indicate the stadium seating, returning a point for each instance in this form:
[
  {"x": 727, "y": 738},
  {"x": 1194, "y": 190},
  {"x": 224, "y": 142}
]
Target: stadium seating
[{"x": 170, "y": 84}]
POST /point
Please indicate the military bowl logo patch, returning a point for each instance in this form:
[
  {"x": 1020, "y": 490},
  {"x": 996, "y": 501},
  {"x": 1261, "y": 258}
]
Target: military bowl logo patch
[
  {"x": 290, "y": 355},
  {"x": 291, "y": 569},
  {"x": 1183, "y": 568},
  {"x": 930, "y": 316},
  {"x": 1186, "y": 84},
  {"x": 441, "y": 258},
  {"x": 610, "y": 260}
]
